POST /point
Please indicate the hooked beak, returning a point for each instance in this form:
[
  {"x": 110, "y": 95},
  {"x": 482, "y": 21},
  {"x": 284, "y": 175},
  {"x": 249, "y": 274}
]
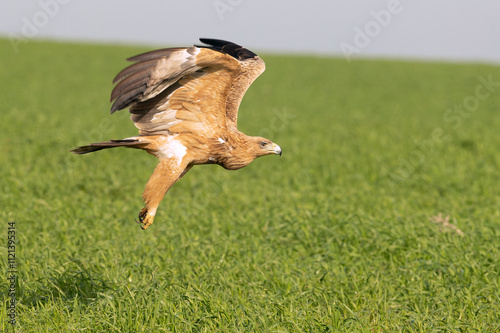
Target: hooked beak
[{"x": 277, "y": 149}]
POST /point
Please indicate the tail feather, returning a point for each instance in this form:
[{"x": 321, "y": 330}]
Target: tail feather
[{"x": 130, "y": 143}]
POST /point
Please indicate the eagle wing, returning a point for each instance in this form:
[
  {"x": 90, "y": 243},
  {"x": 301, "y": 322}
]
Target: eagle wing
[{"x": 193, "y": 89}]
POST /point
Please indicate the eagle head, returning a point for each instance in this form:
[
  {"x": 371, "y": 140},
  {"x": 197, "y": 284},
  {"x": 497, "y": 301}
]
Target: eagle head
[
  {"x": 262, "y": 146},
  {"x": 242, "y": 152}
]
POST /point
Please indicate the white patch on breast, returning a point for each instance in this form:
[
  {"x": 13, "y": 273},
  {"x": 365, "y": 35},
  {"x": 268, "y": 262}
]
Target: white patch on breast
[
  {"x": 169, "y": 147},
  {"x": 221, "y": 140}
]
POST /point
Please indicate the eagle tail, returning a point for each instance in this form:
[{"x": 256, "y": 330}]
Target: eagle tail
[{"x": 129, "y": 143}]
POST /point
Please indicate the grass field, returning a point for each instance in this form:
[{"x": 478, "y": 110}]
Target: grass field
[{"x": 337, "y": 235}]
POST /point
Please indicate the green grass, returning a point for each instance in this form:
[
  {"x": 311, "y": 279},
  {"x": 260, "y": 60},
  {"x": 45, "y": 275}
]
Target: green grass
[{"x": 335, "y": 236}]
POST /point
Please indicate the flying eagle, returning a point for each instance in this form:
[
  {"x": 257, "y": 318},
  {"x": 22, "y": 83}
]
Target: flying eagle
[{"x": 184, "y": 101}]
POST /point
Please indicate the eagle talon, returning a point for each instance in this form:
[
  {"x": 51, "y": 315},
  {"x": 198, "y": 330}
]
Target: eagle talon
[
  {"x": 144, "y": 219},
  {"x": 141, "y": 217},
  {"x": 142, "y": 214}
]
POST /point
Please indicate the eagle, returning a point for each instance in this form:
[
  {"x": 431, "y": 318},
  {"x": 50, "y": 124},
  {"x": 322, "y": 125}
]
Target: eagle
[{"x": 185, "y": 101}]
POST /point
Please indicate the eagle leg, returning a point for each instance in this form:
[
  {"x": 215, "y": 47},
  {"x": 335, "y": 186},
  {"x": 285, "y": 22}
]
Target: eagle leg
[{"x": 166, "y": 173}]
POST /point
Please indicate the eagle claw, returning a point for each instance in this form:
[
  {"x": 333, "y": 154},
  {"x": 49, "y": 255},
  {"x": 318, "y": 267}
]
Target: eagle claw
[{"x": 144, "y": 219}]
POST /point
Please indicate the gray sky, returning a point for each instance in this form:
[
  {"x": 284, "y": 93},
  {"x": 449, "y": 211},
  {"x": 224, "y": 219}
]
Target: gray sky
[{"x": 430, "y": 29}]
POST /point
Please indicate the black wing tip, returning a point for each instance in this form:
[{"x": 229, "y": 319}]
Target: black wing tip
[{"x": 230, "y": 48}]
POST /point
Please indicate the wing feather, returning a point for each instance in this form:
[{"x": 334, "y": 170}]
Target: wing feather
[
  {"x": 179, "y": 90},
  {"x": 156, "y": 54},
  {"x": 153, "y": 73},
  {"x": 251, "y": 67},
  {"x": 135, "y": 68},
  {"x": 130, "y": 82}
]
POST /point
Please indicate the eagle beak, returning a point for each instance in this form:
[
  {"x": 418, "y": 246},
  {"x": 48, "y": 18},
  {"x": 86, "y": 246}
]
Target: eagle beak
[{"x": 277, "y": 149}]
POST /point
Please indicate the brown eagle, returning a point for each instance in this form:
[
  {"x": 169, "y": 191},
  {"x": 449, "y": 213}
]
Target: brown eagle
[{"x": 184, "y": 101}]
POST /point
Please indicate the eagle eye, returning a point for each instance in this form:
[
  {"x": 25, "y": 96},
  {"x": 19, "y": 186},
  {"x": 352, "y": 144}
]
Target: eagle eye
[{"x": 263, "y": 144}]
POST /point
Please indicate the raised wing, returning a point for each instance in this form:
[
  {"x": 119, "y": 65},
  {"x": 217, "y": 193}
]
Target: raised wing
[
  {"x": 194, "y": 89},
  {"x": 251, "y": 67}
]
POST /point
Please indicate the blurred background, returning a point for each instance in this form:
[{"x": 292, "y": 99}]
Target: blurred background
[
  {"x": 456, "y": 30},
  {"x": 383, "y": 214}
]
